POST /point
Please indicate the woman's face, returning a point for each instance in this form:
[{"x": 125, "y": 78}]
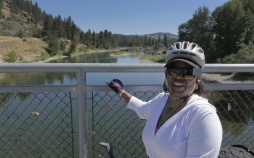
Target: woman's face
[{"x": 180, "y": 85}]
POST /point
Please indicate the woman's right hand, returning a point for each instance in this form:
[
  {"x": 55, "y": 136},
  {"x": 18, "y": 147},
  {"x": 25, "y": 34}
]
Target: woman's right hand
[{"x": 116, "y": 85}]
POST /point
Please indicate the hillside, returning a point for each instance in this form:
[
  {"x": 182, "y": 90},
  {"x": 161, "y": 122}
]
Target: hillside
[
  {"x": 13, "y": 24},
  {"x": 23, "y": 50}
]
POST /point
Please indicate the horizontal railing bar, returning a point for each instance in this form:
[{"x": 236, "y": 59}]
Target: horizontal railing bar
[
  {"x": 38, "y": 88},
  {"x": 230, "y": 86},
  {"x": 112, "y": 67},
  {"x": 64, "y": 88},
  {"x": 229, "y": 68}
]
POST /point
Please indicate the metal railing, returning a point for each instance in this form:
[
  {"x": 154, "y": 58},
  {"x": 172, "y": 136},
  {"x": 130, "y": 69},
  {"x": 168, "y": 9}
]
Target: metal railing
[{"x": 60, "y": 130}]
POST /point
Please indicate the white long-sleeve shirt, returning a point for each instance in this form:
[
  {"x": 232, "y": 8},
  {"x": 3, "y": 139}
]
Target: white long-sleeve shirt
[{"x": 193, "y": 132}]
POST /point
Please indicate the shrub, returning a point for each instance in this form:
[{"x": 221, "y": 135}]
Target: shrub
[{"x": 12, "y": 57}]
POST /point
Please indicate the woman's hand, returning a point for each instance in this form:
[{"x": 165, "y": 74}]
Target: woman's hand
[{"x": 116, "y": 85}]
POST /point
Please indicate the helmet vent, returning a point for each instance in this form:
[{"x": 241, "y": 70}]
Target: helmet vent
[
  {"x": 178, "y": 45},
  {"x": 185, "y": 45},
  {"x": 183, "y": 53},
  {"x": 193, "y": 46}
]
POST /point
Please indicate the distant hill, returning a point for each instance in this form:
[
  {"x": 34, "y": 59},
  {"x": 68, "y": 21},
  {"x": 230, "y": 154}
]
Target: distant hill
[
  {"x": 154, "y": 35},
  {"x": 161, "y": 35}
]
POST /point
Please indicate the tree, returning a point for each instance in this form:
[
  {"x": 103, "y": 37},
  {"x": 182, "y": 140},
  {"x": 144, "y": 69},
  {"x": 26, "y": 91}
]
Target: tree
[
  {"x": 37, "y": 13},
  {"x": 248, "y": 6},
  {"x": 58, "y": 26},
  {"x": 68, "y": 24},
  {"x": 165, "y": 40},
  {"x": 53, "y": 46},
  {"x": 73, "y": 46},
  {"x": 48, "y": 25},
  {"x": 94, "y": 39},
  {"x": 100, "y": 40},
  {"x": 231, "y": 25}
]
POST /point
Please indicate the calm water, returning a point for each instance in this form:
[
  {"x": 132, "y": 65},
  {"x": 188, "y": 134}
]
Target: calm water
[
  {"x": 92, "y": 78},
  {"x": 101, "y": 78}
]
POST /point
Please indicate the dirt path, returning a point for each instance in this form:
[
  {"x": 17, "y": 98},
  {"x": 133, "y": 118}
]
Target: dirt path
[{"x": 217, "y": 77}]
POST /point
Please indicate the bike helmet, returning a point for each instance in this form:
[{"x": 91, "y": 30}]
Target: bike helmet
[{"x": 187, "y": 52}]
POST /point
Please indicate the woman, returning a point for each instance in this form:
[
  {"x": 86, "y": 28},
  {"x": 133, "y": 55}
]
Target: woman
[{"x": 180, "y": 121}]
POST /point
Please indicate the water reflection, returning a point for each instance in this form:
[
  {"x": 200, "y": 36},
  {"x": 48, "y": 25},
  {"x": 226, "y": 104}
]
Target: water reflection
[
  {"x": 66, "y": 78},
  {"x": 88, "y": 58}
]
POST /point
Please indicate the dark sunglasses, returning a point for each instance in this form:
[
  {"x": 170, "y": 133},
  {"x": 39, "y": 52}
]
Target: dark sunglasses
[{"x": 184, "y": 73}]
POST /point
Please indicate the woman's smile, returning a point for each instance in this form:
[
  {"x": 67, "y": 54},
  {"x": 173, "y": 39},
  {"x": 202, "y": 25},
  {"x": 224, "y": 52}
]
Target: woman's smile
[{"x": 178, "y": 85}]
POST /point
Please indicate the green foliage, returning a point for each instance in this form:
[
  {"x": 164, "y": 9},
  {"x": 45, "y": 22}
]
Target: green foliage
[
  {"x": 223, "y": 32},
  {"x": 53, "y": 46},
  {"x": 154, "y": 57},
  {"x": 62, "y": 46},
  {"x": 12, "y": 57},
  {"x": 73, "y": 46},
  {"x": 231, "y": 27},
  {"x": 244, "y": 55}
]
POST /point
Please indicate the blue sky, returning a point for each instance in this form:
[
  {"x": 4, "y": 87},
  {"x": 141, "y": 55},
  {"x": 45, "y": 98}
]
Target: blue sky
[{"x": 127, "y": 16}]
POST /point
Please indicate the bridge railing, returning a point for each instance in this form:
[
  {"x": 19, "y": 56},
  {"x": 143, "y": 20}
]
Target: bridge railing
[{"x": 70, "y": 120}]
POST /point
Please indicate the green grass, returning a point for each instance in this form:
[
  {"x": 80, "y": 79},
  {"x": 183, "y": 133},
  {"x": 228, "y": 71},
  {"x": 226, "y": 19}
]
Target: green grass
[
  {"x": 124, "y": 52},
  {"x": 155, "y": 57}
]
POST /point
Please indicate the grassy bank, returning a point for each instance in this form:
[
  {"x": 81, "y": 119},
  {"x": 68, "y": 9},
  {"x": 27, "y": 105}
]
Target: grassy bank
[
  {"x": 158, "y": 58},
  {"x": 30, "y": 50}
]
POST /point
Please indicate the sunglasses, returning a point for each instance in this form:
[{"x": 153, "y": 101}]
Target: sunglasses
[{"x": 183, "y": 73}]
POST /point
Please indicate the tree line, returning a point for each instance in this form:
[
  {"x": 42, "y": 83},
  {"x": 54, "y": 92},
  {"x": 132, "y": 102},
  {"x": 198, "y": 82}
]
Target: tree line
[{"x": 226, "y": 34}]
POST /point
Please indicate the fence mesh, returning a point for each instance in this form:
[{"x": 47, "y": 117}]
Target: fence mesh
[
  {"x": 36, "y": 125},
  {"x": 43, "y": 124},
  {"x": 111, "y": 121}
]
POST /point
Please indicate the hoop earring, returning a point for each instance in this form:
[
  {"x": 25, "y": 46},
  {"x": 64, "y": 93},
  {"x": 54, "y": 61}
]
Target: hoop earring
[
  {"x": 197, "y": 84},
  {"x": 196, "y": 87}
]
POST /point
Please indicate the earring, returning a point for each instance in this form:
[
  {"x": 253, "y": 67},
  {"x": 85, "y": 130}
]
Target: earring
[{"x": 198, "y": 82}]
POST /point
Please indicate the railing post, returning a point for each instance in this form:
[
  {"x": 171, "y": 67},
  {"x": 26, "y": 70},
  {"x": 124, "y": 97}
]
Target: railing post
[{"x": 82, "y": 122}]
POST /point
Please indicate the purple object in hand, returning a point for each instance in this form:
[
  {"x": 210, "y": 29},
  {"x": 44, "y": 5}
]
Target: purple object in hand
[{"x": 116, "y": 85}]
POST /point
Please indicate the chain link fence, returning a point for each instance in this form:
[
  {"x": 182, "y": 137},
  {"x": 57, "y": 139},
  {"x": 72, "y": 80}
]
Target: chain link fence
[
  {"x": 42, "y": 124},
  {"x": 112, "y": 122},
  {"x": 36, "y": 125}
]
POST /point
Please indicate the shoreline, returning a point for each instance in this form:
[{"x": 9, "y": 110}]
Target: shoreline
[
  {"x": 220, "y": 78},
  {"x": 76, "y": 54},
  {"x": 142, "y": 61}
]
